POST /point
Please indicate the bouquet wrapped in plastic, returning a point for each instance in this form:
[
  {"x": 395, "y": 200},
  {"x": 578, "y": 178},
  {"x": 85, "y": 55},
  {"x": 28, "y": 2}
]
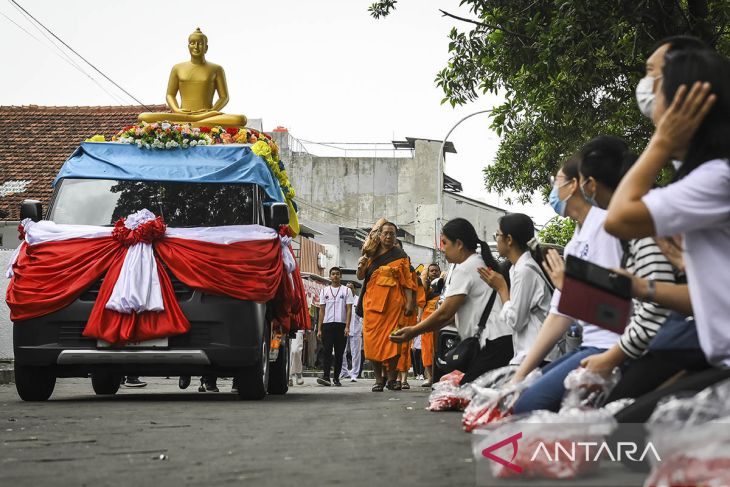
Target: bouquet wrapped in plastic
[
  {"x": 372, "y": 241},
  {"x": 447, "y": 395},
  {"x": 588, "y": 390},
  {"x": 692, "y": 438},
  {"x": 494, "y": 401},
  {"x": 544, "y": 444}
]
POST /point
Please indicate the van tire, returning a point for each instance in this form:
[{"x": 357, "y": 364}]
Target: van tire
[
  {"x": 105, "y": 383},
  {"x": 279, "y": 373},
  {"x": 253, "y": 381},
  {"x": 34, "y": 383}
]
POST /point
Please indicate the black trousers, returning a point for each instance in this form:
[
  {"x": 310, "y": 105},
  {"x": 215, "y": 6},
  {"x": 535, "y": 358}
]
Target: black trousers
[
  {"x": 495, "y": 354},
  {"x": 333, "y": 337},
  {"x": 417, "y": 361}
]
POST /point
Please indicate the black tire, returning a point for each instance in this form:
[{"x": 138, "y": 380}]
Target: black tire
[
  {"x": 279, "y": 373},
  {"x": 34, "y": 383},
  {"x": 253, "y": 381},
  {"x": 105, "y": 384}
]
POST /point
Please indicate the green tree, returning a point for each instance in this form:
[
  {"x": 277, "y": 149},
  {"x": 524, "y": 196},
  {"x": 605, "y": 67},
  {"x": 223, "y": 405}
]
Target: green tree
[
  {"x": 557, "y": 231},
  {"x": 567, "y": 70}
]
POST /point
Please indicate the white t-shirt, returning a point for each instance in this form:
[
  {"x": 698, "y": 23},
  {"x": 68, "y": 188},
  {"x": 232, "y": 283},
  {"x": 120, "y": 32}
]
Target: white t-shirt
[
  {"x": 464, "y": 279},
  {"x": 698, "y": 206},
  {"x": 591, "y": 242},
  {"x": 335, "y": 301},
  {"x": 355, "y": 320}
]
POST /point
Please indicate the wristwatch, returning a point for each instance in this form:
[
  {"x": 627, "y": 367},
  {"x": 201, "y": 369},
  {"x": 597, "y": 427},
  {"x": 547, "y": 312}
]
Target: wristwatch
[{"x": 650, "y": 290}]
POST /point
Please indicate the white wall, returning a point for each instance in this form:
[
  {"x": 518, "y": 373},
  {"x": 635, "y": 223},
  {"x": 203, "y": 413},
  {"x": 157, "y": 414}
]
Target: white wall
[{"x": 6, "y": 326}]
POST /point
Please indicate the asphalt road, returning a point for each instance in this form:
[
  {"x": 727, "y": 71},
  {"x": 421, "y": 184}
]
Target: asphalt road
[{"x": 161, "y": 436}]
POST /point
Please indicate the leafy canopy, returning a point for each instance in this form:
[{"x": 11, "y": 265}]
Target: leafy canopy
[{"x": 567, "y": 71}]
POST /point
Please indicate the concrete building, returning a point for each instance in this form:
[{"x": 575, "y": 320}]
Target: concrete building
[{"x": 354, "y": 192}]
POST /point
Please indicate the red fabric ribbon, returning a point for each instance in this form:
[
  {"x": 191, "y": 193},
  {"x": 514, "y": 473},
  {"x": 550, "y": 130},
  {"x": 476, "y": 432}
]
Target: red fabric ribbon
[
  {"x": 147, "y": 232},
  {"x": 51, "y": 275}
]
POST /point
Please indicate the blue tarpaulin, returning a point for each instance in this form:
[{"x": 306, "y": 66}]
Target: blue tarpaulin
[{"x": 205, "y": 164}]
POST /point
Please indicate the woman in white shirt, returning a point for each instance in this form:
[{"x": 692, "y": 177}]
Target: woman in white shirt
[
  {"x": 526, "y": 302},
  {"x": 590, "y": 242},
  {"x": 466, "y": 298},
  {"x": 691, "y": 111}
]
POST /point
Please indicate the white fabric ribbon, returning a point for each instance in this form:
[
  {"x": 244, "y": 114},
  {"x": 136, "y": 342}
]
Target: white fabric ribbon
[{"x": 138, "y": 287}]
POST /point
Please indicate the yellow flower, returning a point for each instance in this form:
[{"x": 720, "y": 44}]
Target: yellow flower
[
  {"x": 261, "y": 148},
  {"x": 96, "y": 138}
]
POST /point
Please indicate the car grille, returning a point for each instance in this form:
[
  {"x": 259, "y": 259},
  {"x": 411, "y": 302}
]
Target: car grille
[
  {"x": 70, "y": 334},
  {"x": 182, "y": 291}
]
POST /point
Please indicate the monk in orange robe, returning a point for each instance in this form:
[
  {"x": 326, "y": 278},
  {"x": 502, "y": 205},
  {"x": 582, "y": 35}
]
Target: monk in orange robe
[
  {"x": 432, "y": 298},
  {"x": 385, "y": 302}
]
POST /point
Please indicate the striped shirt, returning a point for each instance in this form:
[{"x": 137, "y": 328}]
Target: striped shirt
[{"x": 645, "y": 260}]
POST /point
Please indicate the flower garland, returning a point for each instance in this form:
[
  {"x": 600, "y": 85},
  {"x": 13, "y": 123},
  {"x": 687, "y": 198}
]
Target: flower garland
[
  {"x": 165, "y": 135},
  {"x": 142, "y": 226}
]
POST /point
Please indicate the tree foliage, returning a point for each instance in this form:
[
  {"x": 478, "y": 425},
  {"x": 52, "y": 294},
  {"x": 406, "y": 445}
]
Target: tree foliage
[
  {"x": 567, "y": 71},
  {"x": 557, "y": 231}
]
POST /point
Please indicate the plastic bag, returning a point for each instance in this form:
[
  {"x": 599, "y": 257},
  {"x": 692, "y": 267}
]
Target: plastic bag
[
  {"x": 490, "y": 404},
  {"x": 551, "y": 445},
  {"x": 588, "y": 390},
  {"x": 372, "y": 241},
  {"x": 691, "y": 435},
  {"x": 447, "y": 395}
]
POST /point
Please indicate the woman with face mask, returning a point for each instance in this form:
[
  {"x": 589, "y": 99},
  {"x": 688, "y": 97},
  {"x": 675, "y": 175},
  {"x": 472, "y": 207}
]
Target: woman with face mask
[
  {"x": 604, "y": 161},
  {"x": 692, "y": 117},
  {"x": 590, "y": 242},
  {"x": 466, "y": 298}
]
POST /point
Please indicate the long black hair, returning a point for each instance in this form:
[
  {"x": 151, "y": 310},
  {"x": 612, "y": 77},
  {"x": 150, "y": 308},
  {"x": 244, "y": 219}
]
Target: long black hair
[
  {"x": 606, "y": 159},
  {"x": 519, "y": 226},
  {"x": 461, "y": 229},
  {"x": 685, "y": 67}
]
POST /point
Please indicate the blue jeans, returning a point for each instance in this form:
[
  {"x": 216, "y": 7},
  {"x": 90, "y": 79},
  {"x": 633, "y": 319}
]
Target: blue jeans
[{"x": 547, "y": 392}]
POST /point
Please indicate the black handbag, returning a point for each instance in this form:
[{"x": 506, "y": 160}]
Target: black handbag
[{"x": 463, "y": 354}]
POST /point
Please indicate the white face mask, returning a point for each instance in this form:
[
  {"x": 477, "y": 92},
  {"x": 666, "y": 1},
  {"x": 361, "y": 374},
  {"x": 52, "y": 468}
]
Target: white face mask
[{"x": 645, "y": 95}]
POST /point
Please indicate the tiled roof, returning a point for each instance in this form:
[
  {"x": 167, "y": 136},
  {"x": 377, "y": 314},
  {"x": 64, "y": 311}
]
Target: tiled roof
[{"x": 36, "y": 140}]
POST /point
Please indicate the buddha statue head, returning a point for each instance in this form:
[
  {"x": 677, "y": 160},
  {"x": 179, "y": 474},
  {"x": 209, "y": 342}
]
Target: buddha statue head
[{"x": 198, "y": 45}]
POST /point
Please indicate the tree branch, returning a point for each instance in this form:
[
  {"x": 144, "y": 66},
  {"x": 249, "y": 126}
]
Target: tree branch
[{"x": 488, "y": 26}]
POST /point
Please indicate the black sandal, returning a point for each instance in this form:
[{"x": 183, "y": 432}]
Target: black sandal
[
  {"x": 405, "y": 386},
  {"x": 393, "y": 385},
  {"x": 377, "y": 387}
]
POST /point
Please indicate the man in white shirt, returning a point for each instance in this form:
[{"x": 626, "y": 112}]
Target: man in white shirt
[
  {"x": 354, "y": 341},
  {"x": 335, "y": 314}
]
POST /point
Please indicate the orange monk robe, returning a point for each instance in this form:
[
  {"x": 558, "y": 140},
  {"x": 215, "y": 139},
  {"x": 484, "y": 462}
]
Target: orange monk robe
[
  {"x": 383, "y": 305},
  {"x": 427, "y": 338},
  {"x": 404, "y": 362}
]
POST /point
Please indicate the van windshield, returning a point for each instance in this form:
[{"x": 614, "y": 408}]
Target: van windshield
[{"x": 103, "y": 202}]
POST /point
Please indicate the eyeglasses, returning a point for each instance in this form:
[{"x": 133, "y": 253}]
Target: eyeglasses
[
  {"x": 385, "y": 234},
  {"x": 497, "y": 235},
  {"x": 553, "y": 180}
]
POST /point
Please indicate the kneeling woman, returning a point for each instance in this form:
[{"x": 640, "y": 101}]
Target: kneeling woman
[{"x": 466, "y": 297}]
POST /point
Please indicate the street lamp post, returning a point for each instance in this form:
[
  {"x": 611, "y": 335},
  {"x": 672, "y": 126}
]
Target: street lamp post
[{"x": 441, "y": 161}]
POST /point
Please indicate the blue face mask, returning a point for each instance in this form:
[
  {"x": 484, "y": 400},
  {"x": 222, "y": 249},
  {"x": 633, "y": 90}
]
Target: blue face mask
[
  {"x": 589, "y": 199},
  {"x": 555, "y": 201}
]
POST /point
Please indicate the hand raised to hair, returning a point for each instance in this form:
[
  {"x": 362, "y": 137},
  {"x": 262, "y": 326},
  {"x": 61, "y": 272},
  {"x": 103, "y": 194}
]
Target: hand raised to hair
[
  {"x": 680, "y": 121},
  {"x": 554, "y": 265}
]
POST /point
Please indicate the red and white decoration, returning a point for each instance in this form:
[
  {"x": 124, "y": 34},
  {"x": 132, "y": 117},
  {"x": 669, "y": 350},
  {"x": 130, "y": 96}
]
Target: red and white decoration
[{"x": 55, "y": 264}]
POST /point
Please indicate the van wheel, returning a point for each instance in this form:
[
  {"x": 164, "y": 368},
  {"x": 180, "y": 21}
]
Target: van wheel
[
  {"x": 253, "y": 381},
  {"x": 34, "y": 383},
  {"x": 279, "y": 374},
  {"x": 105, "y": 383}
]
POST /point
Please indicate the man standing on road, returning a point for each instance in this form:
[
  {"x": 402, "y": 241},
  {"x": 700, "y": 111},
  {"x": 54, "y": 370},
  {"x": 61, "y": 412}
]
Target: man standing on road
[
  {"x": 354, "y": 341},
  {"x": 335, "y": 310}
]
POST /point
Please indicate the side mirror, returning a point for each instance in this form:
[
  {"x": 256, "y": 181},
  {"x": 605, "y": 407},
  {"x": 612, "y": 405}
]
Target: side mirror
[
  {"x": 32, "y": 209},
  {"x": 278, "y": 215}
]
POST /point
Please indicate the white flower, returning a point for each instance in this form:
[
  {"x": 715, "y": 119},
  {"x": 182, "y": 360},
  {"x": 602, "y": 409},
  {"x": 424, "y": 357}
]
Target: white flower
[
  {"x": 193, "y": 143},
  {"x": 136, "y": 219},
  {"x": 165, "y": 126}
]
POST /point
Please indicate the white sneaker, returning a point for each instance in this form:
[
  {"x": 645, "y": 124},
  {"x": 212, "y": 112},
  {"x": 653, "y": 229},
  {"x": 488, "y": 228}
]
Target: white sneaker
[
  {"x": 291, "y": 382},
  {"x": 353, "y": 379},
  {"x": 300, "y": 380}
]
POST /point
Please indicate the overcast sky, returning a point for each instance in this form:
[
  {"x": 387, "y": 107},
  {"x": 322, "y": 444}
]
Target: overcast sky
[{"x": 324, "y": 69}]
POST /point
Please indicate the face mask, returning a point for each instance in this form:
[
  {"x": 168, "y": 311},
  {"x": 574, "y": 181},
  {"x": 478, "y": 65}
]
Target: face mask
[
  {"x": 555, "y": 201},
  {"x": 589, "y": 199},
  {"x": 645, "y": 95}
]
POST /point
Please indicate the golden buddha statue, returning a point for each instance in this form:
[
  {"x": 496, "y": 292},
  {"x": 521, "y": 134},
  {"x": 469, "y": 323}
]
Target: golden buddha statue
[{"x": 197, "y": 81}]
